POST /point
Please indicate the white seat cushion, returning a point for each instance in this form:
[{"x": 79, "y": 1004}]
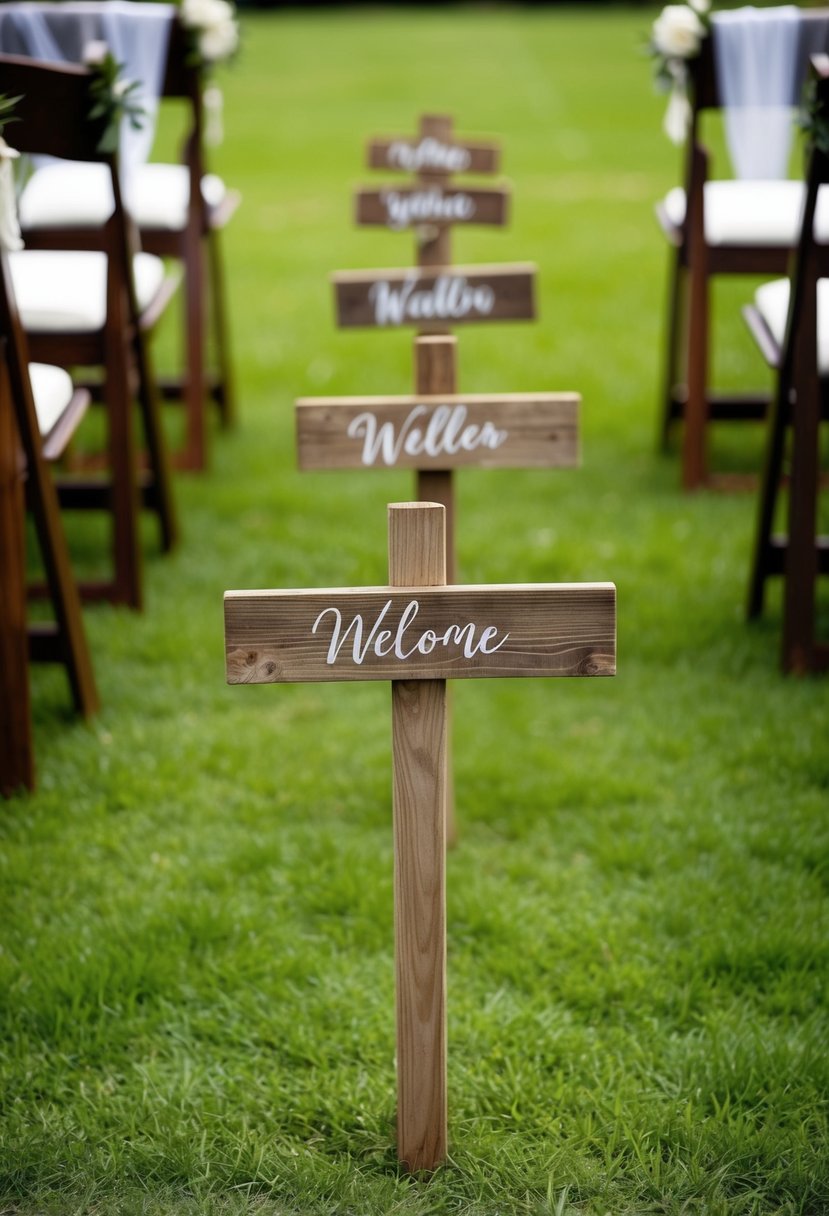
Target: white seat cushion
[
  {"x": 52, "y": 390},
  {"x": 159, "y": 195},
  {"x": 772, "y": 301},
  {"x": 57, "y": 291},
  {"x": 752, "y": 213},
  {"x": 72, "y": 194}
]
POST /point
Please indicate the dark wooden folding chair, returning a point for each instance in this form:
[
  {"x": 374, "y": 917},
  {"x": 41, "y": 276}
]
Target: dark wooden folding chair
[
  {"x": 39, "y": 412},
  {"x": 180, "y": 210},
  {"x": 92, "y": 304},
  {"x": 716, "y": 227},
  {"x": 790, "y": 321}
]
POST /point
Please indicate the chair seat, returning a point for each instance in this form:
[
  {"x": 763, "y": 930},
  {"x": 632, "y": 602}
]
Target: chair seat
[
  {"x": 66, "y": 291},
  {"x": 79, "y": 194},
  {"x": 52, "y": 390},
  {"x": 751, "y": 213},
  {"x": 772, "y": 301}
]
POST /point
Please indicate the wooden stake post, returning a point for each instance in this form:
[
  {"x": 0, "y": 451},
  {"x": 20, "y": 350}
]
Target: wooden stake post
[{"x": 418, "y": 632}]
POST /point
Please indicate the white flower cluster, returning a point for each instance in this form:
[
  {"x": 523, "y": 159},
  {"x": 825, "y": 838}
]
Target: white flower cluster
[
  {"x": 678, "y": 31},
  {"x": 215, "y": 26},
  {"x": 676, "y": 37}
]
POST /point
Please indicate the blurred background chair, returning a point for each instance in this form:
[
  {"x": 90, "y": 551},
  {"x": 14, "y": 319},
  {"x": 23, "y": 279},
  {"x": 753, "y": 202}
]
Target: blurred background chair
[
  {"x": 790, "y": 322},
  {"x": 39, "y": 412},
  {"x": 180, "y": 209},
  {"x": 747, "y": 225},
  {"x": 93, "y": 306}
]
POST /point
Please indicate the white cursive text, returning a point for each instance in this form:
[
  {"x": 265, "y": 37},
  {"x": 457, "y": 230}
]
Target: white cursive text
[
  {"x": 430, "y": 153},
  {"x": 403, "y": 642},
  {"x": 449, "y": 296},
  {"x": 423, "y": 206},
  {"x": 445, "y": 434}
]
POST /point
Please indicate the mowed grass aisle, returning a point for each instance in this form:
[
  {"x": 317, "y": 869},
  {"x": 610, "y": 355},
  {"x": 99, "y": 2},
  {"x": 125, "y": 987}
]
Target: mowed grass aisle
[{"x": 196, "y": 952}]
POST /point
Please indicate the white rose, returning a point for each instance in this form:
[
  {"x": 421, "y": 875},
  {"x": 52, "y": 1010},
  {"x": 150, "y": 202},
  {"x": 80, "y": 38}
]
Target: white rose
[
  {"x": 95, "y": 52},
  {"x": 700, "y": 6},
  {"x": 678, "y": 32},
  {"x": 219, "y": 41}
]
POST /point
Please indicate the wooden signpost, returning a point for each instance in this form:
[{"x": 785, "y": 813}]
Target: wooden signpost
[
  {"x": 418, "y": 632},
  {"x": 436, "y": 430}
]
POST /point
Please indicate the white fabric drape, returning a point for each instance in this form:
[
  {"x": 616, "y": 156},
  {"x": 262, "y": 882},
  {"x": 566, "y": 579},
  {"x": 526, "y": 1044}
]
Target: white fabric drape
[
  {"x": 137, "y": 33},
  {"x": 756, "y": 56}
]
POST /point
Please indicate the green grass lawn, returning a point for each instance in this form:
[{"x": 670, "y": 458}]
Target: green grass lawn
[{"x": 196, "y": 955}]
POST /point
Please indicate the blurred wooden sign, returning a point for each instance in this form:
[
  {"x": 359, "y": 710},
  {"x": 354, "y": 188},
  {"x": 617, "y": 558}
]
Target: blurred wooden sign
[
  {"x": 439, "y": 296},
  {"x": 430, "y": 154},
  {"x": 506, "y": 431},
  {"x": 411, "y": 206}
]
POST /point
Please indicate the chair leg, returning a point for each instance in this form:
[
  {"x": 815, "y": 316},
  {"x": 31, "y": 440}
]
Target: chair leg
[
  {"x": 762, "y": 565},
  {"x": 123, "y": 471},
  {"x": 16, "y": 745},
  {"x": 801, "y": 565},
  {"x": 195, "y": 388},
  {"x": 226, "y": 388},
  {"x": 694, "y": 462},
  {"x": 673, "y": 347},
  {"x": 160, "y": 492}
]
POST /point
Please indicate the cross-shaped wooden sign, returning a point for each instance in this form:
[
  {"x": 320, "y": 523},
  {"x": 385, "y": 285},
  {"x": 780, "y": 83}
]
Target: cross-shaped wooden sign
[{"x": 418, "y": 632}]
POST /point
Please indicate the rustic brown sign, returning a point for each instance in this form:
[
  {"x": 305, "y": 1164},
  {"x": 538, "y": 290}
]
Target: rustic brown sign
[
  {"x": 429, "y": 154},
  {"x": 407, "y": 207},
  {"x": 417, "y": 632},
  {"x": 506, "y": 431},
  {"x": 440, "y": 296},
  {"x": 380, "y": 633}
]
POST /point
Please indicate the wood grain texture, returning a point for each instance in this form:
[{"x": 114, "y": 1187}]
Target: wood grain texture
[
  {"x": 402, "y": 207},
  {"x": 545, "y": 630},
  {"x": 438, "y": 295},
  {"x": 417, "y": 553},
  {"x": 450, "y": 431}
]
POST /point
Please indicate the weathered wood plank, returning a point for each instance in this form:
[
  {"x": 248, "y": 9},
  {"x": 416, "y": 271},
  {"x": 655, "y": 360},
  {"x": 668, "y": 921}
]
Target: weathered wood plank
[
  {"x": 399, "y": 208},
  {"x": 427, "y": 154},
  {"x": 455, "y": 632},
  {"x": 417, "y": 554},
  {"x": 480, "y": 430},
  {"x": 438, "y": 296}
]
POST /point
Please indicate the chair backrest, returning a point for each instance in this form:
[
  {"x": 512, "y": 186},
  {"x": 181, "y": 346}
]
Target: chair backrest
[
  {"x": 54, "y": 109},
  {"x": 705, "y": 89}
]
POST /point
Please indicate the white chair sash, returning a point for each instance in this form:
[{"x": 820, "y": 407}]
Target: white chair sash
[
  {"x": 756, "y": 56},
  {"x": 137, "y": 33}
]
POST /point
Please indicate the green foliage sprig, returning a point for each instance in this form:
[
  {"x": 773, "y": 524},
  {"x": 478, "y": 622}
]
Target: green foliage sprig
[
  {"x": 114, "y": 98},
  {"x": 7, "y": 108},
  {"x": 813, "y": 117}
]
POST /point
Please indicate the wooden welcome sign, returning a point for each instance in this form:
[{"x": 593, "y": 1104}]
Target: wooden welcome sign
[{"x": 418, "y": 633}]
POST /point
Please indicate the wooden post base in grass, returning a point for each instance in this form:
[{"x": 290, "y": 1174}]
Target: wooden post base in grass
[
  {"x": 417, "y": 632},
  {"x": 417, "y": 558}
]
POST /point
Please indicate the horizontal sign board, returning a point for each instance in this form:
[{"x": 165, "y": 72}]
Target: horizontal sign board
[
  {"x": 428, "y": 154},
  {"x": 442, "y": 296},
  {"x": 510, "y": 431},
  {"x": 388, "y": 633},
  {"x": 432, "y": 204}
]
